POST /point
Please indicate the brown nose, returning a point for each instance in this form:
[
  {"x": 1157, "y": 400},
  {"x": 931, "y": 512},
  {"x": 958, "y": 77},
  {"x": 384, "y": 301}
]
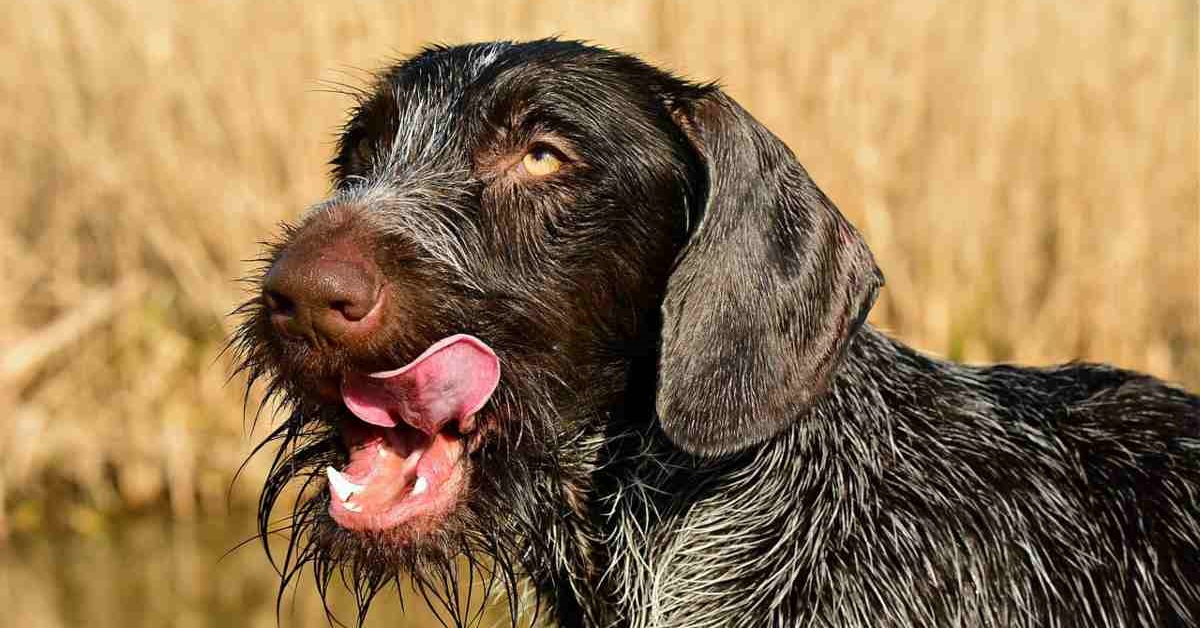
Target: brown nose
[{"x": 311, "y": 295}]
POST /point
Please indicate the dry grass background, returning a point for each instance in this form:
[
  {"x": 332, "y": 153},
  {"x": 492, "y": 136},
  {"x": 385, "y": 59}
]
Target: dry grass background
[{"x": 1025, "y": 171}]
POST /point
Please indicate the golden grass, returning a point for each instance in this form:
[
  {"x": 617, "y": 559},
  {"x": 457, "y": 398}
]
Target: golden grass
[{"x": 1025, "y": 171}]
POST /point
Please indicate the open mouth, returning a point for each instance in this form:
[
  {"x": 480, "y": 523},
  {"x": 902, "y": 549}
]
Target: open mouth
[{"x": 409, "y": 444}]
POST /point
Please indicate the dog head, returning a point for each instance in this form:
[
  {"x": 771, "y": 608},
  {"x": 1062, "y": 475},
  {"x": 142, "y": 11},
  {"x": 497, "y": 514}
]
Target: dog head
[{"x": 527, "y": 247}]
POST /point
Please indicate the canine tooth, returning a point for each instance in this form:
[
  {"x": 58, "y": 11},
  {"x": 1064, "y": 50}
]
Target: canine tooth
[
  {"x": 421, "y": 486},
  {"x": 352, "y": 507},
  {"x": 344, "y": 488}
]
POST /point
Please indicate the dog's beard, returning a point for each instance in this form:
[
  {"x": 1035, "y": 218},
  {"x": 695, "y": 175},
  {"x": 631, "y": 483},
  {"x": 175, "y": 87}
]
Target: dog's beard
[{"x": 505, "y": 524}]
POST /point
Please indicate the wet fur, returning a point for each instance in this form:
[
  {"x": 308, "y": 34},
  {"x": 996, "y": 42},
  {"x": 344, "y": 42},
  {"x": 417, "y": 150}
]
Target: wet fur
[{"x": 851, "y": 481}]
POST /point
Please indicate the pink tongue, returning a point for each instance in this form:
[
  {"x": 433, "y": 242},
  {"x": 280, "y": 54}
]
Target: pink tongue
[{"x": 450, "y": 381}]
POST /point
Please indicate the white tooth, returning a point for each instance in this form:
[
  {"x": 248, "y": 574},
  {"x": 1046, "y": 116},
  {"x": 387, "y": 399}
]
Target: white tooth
[
  {"x": 344, "y": 488},
  {"x": 352, "y": 507},
  {"x": 421, "y": 486},
  {"x": 414, "y": 456}
]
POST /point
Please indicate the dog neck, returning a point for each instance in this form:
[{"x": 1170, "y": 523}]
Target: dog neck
[{"x": 660, "y": 521}]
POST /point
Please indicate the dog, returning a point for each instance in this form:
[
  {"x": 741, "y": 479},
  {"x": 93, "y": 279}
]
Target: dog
[{"x": 569, "y": 323}]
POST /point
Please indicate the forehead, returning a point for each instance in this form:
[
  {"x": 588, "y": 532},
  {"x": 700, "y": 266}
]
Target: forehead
[
  {"x": 439, "y": 107},
  {"x": 504, "y": 83},
  {"x": 551, "y": 72}
]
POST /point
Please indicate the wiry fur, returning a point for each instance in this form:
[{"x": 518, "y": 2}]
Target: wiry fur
[
  {"x": 801, "y": 469},
  {"x": 924, "y": 493}
]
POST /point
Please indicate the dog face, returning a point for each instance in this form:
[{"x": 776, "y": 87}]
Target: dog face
[{"x": 529, "y": 249}]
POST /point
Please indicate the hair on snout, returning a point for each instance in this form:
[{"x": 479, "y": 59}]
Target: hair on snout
[{"x": 572, "y": 329}]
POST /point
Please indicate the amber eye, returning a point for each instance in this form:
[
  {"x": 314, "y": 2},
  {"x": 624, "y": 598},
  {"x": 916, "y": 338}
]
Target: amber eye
[{"x": 541, "y": 161}]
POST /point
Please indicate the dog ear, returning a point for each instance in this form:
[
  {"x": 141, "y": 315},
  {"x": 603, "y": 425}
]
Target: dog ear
[{"x": 766, "y": 294}]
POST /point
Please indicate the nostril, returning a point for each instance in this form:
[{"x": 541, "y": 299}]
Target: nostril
[
  {"x": 353, "y": 310},
  {"x": 279, "y": 303}
]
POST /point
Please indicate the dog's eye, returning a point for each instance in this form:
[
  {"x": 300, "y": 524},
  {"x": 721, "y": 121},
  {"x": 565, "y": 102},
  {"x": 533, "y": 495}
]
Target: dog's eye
[{"x": 541, "y": 161}]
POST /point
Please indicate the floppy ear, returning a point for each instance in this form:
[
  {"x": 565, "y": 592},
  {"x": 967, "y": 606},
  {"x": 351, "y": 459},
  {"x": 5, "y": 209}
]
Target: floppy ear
[{"x": 765, "y": 296}]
